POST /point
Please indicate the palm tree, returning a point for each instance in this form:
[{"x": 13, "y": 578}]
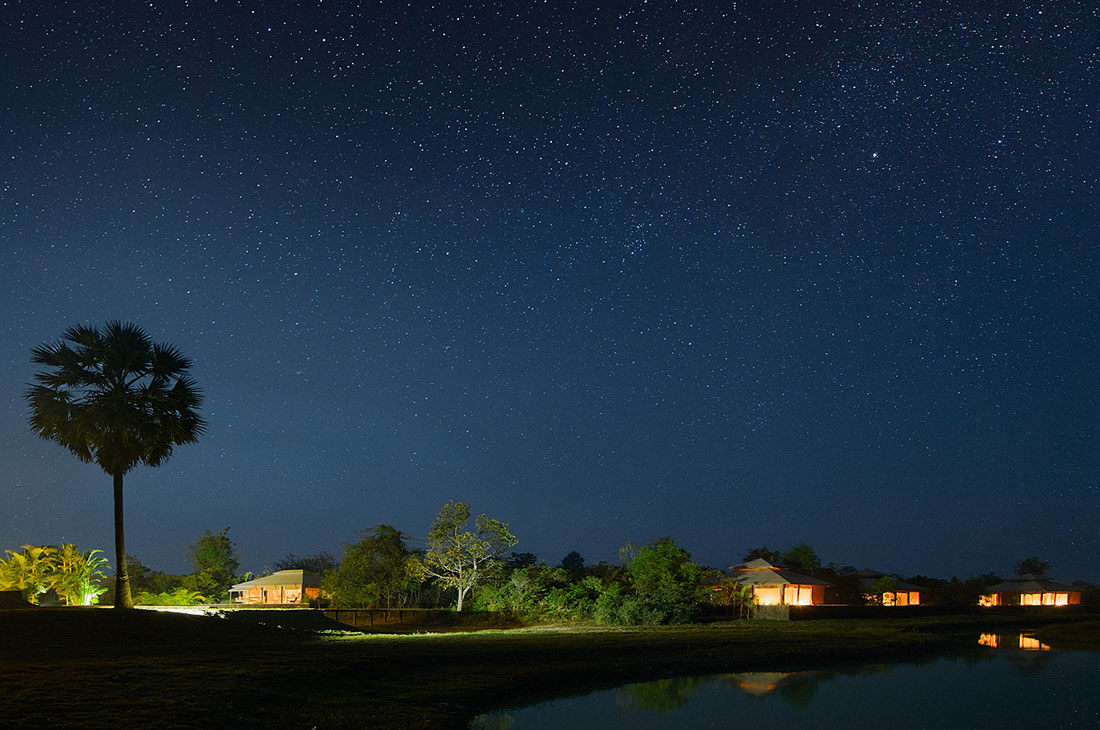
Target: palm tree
[{"x": 114, "y": 397}]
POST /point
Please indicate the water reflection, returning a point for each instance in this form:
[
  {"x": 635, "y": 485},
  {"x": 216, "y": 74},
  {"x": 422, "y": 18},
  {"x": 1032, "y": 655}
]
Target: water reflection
[
  {"x": 1012, "y": 641},
  {"x": 663, "y": 695},
  {"x": 1020, "y": 683},
  {"x": 796, "y": 689}
]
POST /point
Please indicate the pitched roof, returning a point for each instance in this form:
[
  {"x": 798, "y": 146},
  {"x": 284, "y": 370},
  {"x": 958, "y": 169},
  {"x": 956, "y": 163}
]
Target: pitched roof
[
  {"x": 758, "y": 563},
  {"x": 760, "y": 572},
  {"x": 1030, "y": 584},
  {"x": 868, "y": 578},
  {"x": 296, "y": 578}
]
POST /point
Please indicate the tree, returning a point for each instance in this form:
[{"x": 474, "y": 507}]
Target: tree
[
  {"x": 666, "y": 580},
  {"x": 761, "y": 552},
  {"x": 802, "y": 557},
  {"x": 1032, "y": 566},
  {"x": 113, "y": 397},
  {"x": 319, "y": 563},
  {"x": 573, "y": 563},
  {"x": 377, "y": 569},
  {"x": 216, "y": 562},
  {"x": 144, "y": 579},
  {"x": 885, "y": 584},
  {"x": 520, "y": 560},
  {"x": 459, "y": 558}
]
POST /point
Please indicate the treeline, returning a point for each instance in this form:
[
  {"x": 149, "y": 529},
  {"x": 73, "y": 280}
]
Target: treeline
[{"x": 469, "y": 562}]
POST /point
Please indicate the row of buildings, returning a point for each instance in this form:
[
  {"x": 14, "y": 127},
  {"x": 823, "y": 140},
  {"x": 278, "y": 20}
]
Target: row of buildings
[
  {"x": 771, "y": 585},
  {"x": 776, "y": 585}
]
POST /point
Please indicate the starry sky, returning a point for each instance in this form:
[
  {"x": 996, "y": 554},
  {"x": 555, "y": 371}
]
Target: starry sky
[{"x": 743, "y": 273}]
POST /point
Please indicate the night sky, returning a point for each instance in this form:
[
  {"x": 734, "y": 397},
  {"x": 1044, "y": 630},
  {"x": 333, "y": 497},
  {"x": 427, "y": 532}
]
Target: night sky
[{"x": 743, "y": 273}]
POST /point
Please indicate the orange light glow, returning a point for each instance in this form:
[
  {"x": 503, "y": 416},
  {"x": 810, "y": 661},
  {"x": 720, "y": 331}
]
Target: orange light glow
[
  {"x": 1027, "y": 643},
  {"x": 1030, "y": 643}
]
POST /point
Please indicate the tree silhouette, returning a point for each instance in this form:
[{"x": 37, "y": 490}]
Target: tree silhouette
[
  {"x": 1032, "y": 566},
  {"x": 114, "y": 397}
]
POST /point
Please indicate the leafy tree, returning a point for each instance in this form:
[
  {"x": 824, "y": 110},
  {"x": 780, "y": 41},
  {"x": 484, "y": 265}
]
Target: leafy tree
[
  {"x": 573, "y": 563},
  {"x": 627, "y": 552},
  {"x": 319, "y": 563},
  {"x": 216, "y": 562},
  {"x": 965, "y": 593},
  {"x": 113, "y": 397},
  {"x": 802, "y": 557},
  {"x": 458, "y": 557},
  {"x": 1032, "y": 566},
  {"x": 761, "y": 552},
  {"x": 144, "y": 579},
  {"x": 520, "y": 560},
  {"x": 666, "y": 580},
  {"x": 377, "y": 569},
  {"x": 575, "y": 600},
  {"x": 885, "y": 584}
]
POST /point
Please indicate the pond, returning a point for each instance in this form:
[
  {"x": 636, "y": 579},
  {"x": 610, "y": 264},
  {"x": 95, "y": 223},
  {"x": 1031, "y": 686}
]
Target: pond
[{"x": 1005, "y": 681}]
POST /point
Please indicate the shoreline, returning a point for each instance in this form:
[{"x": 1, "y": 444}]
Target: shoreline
[{"x": 97, "y": 668}]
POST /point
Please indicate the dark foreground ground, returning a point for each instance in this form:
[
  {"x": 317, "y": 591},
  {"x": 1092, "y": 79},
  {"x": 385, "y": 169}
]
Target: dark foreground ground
[{"x": 99, "y": 668}]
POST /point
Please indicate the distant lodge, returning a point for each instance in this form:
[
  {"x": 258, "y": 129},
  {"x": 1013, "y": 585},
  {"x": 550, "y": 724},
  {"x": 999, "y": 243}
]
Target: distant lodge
[
  {"x": 282, "y": 587},
  {"x": 1030, "y": 590},
  {"x": 774, "y": 585},
  {"x": 897, "y": 593}
]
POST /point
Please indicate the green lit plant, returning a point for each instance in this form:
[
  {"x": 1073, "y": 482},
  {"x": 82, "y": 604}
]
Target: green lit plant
[
  {"x": 29, "y": 571},
  {"x": 74, "y": 575},
  {"x": 77, "y": 575}
]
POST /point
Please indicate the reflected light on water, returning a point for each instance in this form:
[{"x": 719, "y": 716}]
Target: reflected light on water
[
  {"x": 1012, "y": 641},
  {"x": 758, "y": 683}
]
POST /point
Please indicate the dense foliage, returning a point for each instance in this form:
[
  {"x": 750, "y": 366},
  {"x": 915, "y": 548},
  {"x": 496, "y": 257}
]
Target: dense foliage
[
  {"x": 377, "y": 571},
  {"x": 75, "y": 576},
  {"x": 216, "y": 562}
]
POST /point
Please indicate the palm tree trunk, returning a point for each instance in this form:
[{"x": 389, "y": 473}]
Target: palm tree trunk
[{"x": 122, "y": 576}]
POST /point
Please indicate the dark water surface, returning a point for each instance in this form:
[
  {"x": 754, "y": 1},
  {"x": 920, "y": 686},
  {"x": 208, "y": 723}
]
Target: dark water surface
[{"x": 995, "y": 685}]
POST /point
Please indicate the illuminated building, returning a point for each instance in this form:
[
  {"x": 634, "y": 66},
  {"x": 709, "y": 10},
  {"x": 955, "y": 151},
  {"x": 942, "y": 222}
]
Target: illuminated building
[
  {"x": 1030, "y": 590},
  {"x": 284, "y": 586},
  {"x": 774, "y": 584},
  {"x": 902, "y": 593}
]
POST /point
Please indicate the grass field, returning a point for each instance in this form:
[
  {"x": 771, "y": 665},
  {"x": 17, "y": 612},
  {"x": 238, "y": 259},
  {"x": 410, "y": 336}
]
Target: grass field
[{"x": 98, "y": 668}]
